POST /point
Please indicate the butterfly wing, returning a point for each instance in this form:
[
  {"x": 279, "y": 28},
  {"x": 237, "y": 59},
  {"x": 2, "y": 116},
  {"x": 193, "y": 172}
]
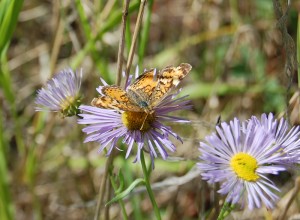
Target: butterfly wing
[
  {"x": 167, "y": 79},
  {"x": 114, "y": 97},
  {"x": 146, "y": 91}
]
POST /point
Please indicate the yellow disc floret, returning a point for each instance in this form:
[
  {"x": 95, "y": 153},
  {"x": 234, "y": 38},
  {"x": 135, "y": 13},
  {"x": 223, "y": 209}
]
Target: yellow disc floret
[
  {"x": 65, "y": 104},
  {"x": 70, "y": 106},
  {"x": 244, "y": 165},
  {"x": 138, "y": 120}
]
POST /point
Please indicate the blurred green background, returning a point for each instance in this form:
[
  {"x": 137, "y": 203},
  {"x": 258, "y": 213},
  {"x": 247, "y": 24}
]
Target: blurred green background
[{"x": 238, "y": 58}]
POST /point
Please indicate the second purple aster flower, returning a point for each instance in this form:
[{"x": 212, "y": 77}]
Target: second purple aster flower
[
  {"x": 136, "y": 114},
  {"x": 241, "y": 155},
  {"x": 61, "y": 94}
]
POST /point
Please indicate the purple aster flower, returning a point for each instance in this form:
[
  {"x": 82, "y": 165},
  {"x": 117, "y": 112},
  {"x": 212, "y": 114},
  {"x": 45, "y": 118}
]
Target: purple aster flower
[
  {"x": 143, "y": 130},
  {"x": 240, "y": 156},
  {"x": 287, "y": 138},
  {"x": 61, "y": 93}
]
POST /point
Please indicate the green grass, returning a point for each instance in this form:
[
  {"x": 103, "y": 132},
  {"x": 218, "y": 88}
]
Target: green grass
[
  {"x": 9, "y": 11},
  {"x": 237, "y": 63}
]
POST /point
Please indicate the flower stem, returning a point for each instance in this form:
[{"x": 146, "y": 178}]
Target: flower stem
[
  {"x": 226, "y": 209},
  {"x": 121, "y": 202},
  {"x": 103, "y": 185},
  {"x": 148, "y": 187}
]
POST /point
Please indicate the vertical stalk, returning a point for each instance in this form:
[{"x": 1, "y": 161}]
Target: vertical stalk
[
  {"x": 298, "y": 56},
  {"x": 111, "y": 156},
  {"x": 121, "y": 202},
  {"x": 121, "y": 43},
  {"x": 298, "y": 48},
  {"x": 134, "y": 38},
  {"x": 148, "y": 187},
  {"x": 103, "y": 186},
  {"x": 225, "y": 211},
  {"x": 145, "y": 33}
]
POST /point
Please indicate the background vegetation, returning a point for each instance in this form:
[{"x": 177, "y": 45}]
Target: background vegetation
[{"x": 242, "y": 66}]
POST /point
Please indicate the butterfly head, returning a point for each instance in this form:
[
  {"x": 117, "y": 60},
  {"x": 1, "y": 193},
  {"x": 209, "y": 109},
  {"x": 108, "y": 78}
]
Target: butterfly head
[{"x": 143, "y": 104}]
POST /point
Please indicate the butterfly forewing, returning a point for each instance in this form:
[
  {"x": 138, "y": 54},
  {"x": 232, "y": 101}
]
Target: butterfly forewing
[
  {"x": 113, "y": 97},
  {"x": 168, "y": 78}
]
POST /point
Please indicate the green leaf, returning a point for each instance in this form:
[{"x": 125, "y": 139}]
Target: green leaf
[
  {"x": 127, "y": 191},
  {"x": 9, "y": 13},
  {"x": 6, "y": 205}
]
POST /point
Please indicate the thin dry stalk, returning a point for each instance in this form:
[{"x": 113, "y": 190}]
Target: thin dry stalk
[
  {"x": 288, "y": 44},
  {"x": 294, "y": 195},
  {"x": 57, "y": 43},
  {"x": 130, "y": 57},
  {"x": 103, "y": 186},
  {"x": 134, "y": 38},
  {"x": 121, "y": 43}
]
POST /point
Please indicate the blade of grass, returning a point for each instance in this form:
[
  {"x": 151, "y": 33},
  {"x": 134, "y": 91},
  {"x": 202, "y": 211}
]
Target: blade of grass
[
  {"x": 135, "y": 200},
  {"x": 145, "y": 33},
  {"x": 88, "y": 35},
  {"x": 6, "y": 84},
  {"x": 124, "y": 193},
  {"x": 6, "y": 205},
  {"x": 5, "y": 80},
  {"x": 10, "y": 13},
  {"x": 83, "y": 19},
  {"x": 8, "y": 23},
  {"x": 117, "y": 190},
  {"x": 128, "y": 35},
  {"x": 3, "y": 6}
]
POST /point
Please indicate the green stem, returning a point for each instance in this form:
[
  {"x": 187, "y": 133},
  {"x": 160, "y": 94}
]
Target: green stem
[
  {"x": 145, "y": 34},
  {"x": 225, "y": 211},
  {"x": 148, "y": 187},
  {"x": 121, "y": 202},
  {"x": 135, "y": 200},
  {"x": 5, "y": 82},
  {"x": 7, "y": 209}
]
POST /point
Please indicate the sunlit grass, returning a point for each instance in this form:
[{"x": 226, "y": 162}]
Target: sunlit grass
[{"x": 238, "y": 70}]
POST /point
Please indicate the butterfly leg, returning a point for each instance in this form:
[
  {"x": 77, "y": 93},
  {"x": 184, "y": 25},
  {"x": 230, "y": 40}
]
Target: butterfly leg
[{"x": 141, "y": 128}]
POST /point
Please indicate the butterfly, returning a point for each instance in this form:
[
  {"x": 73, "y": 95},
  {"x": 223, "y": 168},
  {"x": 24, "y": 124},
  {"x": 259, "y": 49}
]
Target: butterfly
[{"x": 145, "y": 92}]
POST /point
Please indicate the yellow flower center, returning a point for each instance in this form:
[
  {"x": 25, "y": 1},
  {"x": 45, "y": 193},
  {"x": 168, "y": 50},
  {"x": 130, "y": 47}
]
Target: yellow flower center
[
  {"x": 69, "y": 106},
  {"x": 65, "y": 104},
  {"x": 244, "y": 165},
  {"x": 138, "y": 120}
]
